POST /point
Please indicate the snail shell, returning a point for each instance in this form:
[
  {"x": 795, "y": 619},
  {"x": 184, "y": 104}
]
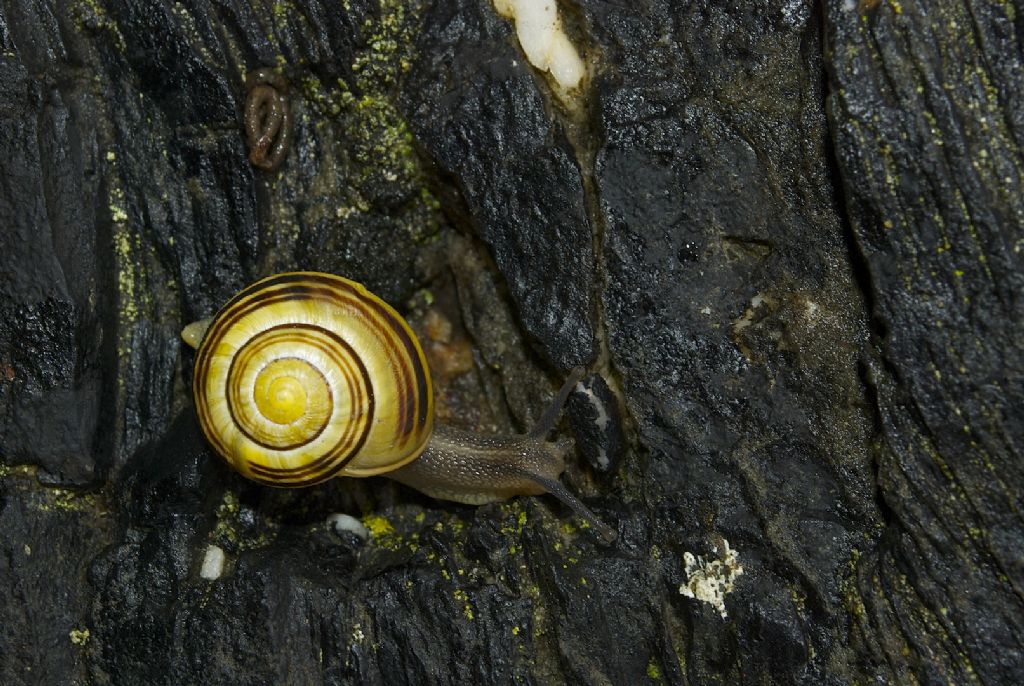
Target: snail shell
[{"x": 304, "y": 376}]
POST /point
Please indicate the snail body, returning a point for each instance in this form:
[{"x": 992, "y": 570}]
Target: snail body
[{"x": 305, "y": 376}]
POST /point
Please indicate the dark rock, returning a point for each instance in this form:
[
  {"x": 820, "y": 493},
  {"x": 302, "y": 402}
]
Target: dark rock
[
  {"x": 814, "y": 333},
  {"x": 733, "y": 315},
  {"x": 50, "y": 380},
  {"x": 482, "y": 118},
  {"x": 51, "y": 535},
  {"x": 926, "y": 107},
  {"x": 164, "y": 480}
]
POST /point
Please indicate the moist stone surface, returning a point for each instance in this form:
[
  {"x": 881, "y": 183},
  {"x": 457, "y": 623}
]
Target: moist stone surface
[{"x": 786, "y": 236}]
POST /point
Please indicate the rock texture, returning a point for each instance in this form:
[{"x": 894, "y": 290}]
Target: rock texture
[
  {"x": 787, "y": 236},
  {"x": 928, "y": 123}
]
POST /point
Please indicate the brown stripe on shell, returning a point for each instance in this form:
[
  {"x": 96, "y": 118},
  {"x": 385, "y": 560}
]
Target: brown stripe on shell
[
  {"x": 254, "y": 288},
  {"x": 225, "y": 318},
  {"x": 409, "y": 425},
  {"x": 233, "y": 389},
  {"x": 202, "y": 405},
  {"x": 253, "y": 347},
  {"x": 309, "y": 285},
  {"x": 209, "y": 344},
  {"x": 270, "y": 479},
  {"x": 352, "y": 426}
]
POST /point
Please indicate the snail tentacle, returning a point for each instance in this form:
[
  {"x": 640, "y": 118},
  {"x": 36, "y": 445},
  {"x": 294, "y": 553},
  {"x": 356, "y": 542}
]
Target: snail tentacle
[
  {"x": 554, "y": 409},
  {"x": 555, "y": 488}
]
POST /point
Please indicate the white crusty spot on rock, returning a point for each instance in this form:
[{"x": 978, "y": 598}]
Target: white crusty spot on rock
[
  {"x": 213, "y": 563},
  {"x": 711, "y": 580},
  {"x": 811, "y": 308},
  {"x": 343, "y": 522},
  {"x": 602, "y": 414},
  {"x": 540, "y": 34},
  {"x": 748, "y": 315},
  {"x": 602, "y": 420}
]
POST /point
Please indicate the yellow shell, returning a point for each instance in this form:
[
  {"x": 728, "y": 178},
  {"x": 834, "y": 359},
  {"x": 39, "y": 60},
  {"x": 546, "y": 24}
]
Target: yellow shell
[{"x": 304, "y": 376}]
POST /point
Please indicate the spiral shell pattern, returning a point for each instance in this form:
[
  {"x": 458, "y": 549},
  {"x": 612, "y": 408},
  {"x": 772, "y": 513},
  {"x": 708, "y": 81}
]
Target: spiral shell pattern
[{"x": 304, "y": 376}]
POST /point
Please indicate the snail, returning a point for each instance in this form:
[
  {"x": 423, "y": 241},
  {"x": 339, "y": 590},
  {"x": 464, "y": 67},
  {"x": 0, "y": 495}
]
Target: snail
[{"x": 305, "y": 376}]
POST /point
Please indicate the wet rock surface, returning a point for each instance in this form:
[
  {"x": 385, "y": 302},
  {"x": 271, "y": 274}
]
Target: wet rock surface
[
  {"x": 929, "y": 156},
  {"x": 786, "y": 236},
  {"x": 475, "y": 106}
]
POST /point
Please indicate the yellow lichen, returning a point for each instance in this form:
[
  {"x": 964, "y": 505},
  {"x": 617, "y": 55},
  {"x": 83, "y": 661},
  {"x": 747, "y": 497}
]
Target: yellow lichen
[
  {"x": 653, "y": 673},
  {"x": 378, "y": 526},
  {"x": 463, "y": 597}
]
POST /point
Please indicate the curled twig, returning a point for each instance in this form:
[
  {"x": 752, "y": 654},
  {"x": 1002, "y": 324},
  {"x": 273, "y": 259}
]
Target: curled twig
[{"x": 268, "y": 119}]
